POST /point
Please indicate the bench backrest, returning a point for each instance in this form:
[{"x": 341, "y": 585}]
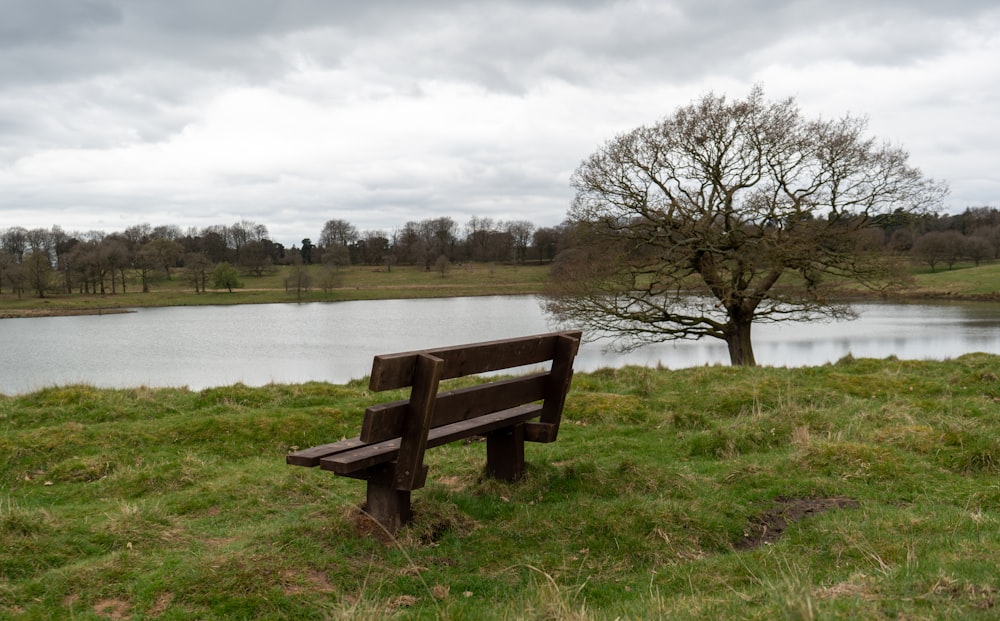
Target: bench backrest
[{"x": 386, "y": 421}]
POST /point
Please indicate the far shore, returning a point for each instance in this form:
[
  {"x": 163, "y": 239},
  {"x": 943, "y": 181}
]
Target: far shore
[{"x": 967, "y": 284}]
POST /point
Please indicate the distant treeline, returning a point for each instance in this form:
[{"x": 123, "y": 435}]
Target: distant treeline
[{"x": 43, "y": 261}]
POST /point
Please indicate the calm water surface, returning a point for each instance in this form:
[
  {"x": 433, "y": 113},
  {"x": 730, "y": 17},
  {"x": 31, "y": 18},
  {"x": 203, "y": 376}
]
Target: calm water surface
[{"x": 200, "y": 347}]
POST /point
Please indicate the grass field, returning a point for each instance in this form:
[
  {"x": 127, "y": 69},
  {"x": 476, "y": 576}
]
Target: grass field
[
  {"x": 861, "y": 490},
  {"x": 350, "y": 283},
  {"x": 964, "y": 281}
]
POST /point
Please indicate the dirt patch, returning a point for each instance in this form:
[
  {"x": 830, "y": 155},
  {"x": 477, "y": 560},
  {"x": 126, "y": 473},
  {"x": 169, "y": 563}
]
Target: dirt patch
[
  {"x": 114, "y": 608},
  {"x": 295, "y": 583},
  {"x": 770, "y": 525}
]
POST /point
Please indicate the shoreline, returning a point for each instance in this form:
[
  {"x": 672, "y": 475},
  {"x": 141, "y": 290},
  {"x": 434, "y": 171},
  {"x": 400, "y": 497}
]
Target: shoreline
[
  {"x": 914, "y": 297},
  {"x": 30, "y": 313}
]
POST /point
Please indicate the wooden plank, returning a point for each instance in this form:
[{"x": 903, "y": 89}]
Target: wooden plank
[
  {"x": 367, "y": 456},
  {"x": 396, "y": 370},
  {"x": 384, "y": 422},
  {"x": 310, "y": 457},
  {"x": 417, "y": 423},
  {"x": 559, "y": 382}
]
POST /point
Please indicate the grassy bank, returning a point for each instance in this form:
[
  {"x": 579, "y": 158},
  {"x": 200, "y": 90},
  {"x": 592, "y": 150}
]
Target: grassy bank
[
  {"x": 866, "y": 489},
  {"x": 349, "y": 283}
]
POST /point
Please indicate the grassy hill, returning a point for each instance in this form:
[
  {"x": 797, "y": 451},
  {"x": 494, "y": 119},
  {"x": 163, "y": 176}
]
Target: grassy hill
[
  {"x": 865, "y": 489},
  {"x": 964, "y": 281}
]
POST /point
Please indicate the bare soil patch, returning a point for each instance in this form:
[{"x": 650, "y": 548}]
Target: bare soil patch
[{"x": 769, "y": 526}]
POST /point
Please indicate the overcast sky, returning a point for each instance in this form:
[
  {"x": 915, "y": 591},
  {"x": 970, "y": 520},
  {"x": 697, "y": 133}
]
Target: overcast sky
[{"x": 289, "y": 113}]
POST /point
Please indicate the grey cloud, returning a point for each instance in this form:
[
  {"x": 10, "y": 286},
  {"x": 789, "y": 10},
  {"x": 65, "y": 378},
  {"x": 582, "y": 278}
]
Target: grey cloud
[
  {"x": 53, "y": 22},
  {"x": 92, "y": 75}
]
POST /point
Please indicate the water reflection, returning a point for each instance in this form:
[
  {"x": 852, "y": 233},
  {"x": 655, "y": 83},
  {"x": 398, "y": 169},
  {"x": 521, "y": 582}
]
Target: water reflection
[{"x": 257, "y": 344}]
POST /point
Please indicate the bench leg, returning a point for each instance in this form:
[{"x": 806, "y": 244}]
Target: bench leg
[
  {"x": 505, "y": 453},
  {"x": 389, "y": 506}
]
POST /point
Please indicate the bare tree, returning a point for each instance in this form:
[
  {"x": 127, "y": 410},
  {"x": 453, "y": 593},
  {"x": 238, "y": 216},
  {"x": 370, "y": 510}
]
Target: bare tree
[
  {"x": 38, "y": 269},
  {"x": 442, "y": 265},
  {"x": 938, "y": 247},
  {"x": 727, "y": 213},
  {"x": 198, "y": 267},
  {"x": 976, "y": 248},
  {"x": 336, "y": 240},
  {"x": 520, "y": 234},
  {"x": 477, "y": 235},
  {"x": 7, "y": 264},
  {"x": 15, "y": 241}
]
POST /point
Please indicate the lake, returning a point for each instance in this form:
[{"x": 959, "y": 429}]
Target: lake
[{"x": 201, "y": 347}]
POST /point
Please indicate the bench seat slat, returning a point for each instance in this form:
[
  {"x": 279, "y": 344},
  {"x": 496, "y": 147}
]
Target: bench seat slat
[
  {"x": 347, "y": 462},
  {"x": 310, "y": 457}
]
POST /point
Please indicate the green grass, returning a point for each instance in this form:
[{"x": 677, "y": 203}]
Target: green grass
[
  {"x": 964, "y": 280},
  {"x": 351, "y": 283},
  {"x": 172, "y": 504}
]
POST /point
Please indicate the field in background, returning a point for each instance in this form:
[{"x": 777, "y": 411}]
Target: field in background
[{"x": 325, "y": 285}]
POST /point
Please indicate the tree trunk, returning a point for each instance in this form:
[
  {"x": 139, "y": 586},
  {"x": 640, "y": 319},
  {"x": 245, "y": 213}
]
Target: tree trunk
[{"x": 738, "y": 340}]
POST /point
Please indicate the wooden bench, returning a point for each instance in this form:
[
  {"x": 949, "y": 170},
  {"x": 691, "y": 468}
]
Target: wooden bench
[{"x": 389, "y": 452}]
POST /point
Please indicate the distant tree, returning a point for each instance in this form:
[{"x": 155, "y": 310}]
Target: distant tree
[
  {"x": 990, "y": 233},
  {"x": 298, "y": 279},
  {"x": 977, "y": 249},
  {"x": 64, "y": 245},
  {"x": 336, "y": 256},
  {"x": 7, "y": 263},
  {"x": 40, "y": 240},
  {"x": 307, "y": 251},
  {"x": 214, "y": 246},
  {"x": 545, "y": 241},
  {"x": 724, "y": 214},
  {"x": 411, "y": 246},
  {"x": 146, "y": 265},
  {"x": 16, "y": 277},
  {"x": 442, "y": 265},
  {"x": 520, "y": 235},
  {"x": 137, "y": 235},
  {"x": 81, "y": 260},
  {"x": 15, "y": 241},
  {"x": 938, "y": 247},
  {"x": 169, "y": 232},
  {"x": 374, "y": 247},
  {"x": 477, "y": 235},
  {"x": 241, "y": 233},
  {"x": 117, "y": 259},
  {"x": 439, "y": 236},
  {"x": 338, "y": 233},
  {"x": 38, "y": 270},
  {"x": 336, "y": 240},
  {"x": 226, "y": 276},
  {"x": 255, "y": 257},
  {"x": 329, "y": 279},
  {"x": 197, "y": 268},
  {"x": 163, "y": 254}
]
